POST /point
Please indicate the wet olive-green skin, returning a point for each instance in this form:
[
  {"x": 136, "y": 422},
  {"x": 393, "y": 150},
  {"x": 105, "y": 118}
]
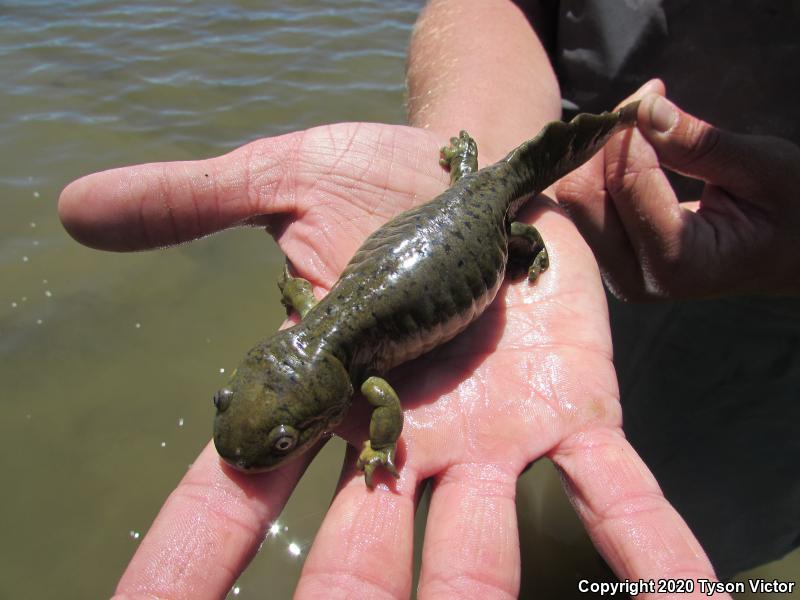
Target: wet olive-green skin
[{"x": 415, "y": 283}]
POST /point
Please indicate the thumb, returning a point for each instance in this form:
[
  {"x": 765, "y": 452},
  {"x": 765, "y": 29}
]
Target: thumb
[{"x": 695, "y": 148}]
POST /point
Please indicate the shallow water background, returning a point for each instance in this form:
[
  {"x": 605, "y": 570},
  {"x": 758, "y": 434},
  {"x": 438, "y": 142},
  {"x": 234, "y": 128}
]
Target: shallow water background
[{"x": 108, "y": 361}]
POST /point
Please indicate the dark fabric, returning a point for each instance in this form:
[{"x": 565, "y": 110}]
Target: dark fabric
[{"x": 711, "y": 389}]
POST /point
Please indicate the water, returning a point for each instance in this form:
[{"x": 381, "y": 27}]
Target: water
[{"x": 108, "y": 361}]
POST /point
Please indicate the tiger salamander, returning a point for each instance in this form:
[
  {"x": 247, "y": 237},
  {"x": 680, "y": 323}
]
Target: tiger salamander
[{"x": 414, "y": 284}]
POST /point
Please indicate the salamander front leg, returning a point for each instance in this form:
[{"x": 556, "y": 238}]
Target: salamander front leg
[
  {"x": 460, "y": 157},
  {"x": 384, "y": 428},
  {"x": 296, "y": 293},
  {"x": 525, "y": 240}
]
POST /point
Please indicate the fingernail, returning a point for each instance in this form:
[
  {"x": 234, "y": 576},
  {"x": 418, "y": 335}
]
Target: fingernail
[{"x": 663, "y": 114}]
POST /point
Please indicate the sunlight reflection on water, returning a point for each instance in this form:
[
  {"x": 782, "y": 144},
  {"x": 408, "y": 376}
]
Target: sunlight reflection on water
[{"x": 104, "y": 353}]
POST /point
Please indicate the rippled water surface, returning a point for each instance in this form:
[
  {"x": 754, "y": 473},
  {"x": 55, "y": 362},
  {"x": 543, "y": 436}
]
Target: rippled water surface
[{"x": 107, "y": 361}]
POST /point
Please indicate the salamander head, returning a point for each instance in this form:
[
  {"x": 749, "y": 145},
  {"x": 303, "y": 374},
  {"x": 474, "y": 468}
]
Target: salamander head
[{"x": 273, "y": 409}]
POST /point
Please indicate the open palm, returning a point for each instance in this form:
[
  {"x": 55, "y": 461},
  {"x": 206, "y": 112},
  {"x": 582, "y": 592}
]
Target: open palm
[{"x": 533, "y": 377}]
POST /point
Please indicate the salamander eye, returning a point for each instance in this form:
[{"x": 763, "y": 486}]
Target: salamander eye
[
  {"x": 283, "y": 444},
  {"x": 222, "y": 399},
  {"x": 283, "y": 438}
]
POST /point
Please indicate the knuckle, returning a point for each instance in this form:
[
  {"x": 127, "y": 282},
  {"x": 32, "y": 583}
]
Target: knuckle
[
  {"x": 663, "y": 265},
  {"x": 626, "y": 290},
  {"x": 662, "y": 273},
  {"x": 673, "y": 275},
  {"x": 644, "y": 505},
  {"x": 341, "y": 582},
  {"x": 702, "y": 141},
  {"x": 269, "y": 170},
  {"x": 669, "y": 258},
  {"x": 465, "y": 585},
  {"x": 625, "y": 284},
  {"x": 624, "y": 176}
]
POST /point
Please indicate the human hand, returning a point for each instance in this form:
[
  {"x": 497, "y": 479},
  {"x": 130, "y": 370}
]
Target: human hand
[
  {"x": 533, "y": 377},
  {"x": 740, "y": 237}
]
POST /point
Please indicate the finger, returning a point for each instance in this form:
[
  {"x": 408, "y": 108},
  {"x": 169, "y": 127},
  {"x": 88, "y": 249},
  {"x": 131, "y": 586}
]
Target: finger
[
  {"x": 693, "y": 147},
  {"x": 653, "y": 87},
  {"x": 658, "y": 228},
  {"x": 364, "y": 546},
  {"x": 471, "y": 545},
  {"x": 630, "y": 522},
  {"x": 682, "y": 250},
  {"x": 208, "y": 530},
  {"x": 162, "y": 204},
  {"x": 584, "y": 196}
]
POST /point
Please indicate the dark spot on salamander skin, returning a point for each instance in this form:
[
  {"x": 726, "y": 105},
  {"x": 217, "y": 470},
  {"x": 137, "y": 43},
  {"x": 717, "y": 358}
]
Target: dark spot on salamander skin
[
  {"x": 460, "y": 264},
  {"x": 458, "y": 234}
]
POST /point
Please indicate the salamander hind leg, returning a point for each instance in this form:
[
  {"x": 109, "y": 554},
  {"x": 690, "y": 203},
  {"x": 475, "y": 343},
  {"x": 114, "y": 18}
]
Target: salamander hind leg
[
  {"x": 296, "y": 293},
  {"x": 460, "y": 157},
  {"x": 385, "y": 427},
  {"x": 526, "y": 243}
]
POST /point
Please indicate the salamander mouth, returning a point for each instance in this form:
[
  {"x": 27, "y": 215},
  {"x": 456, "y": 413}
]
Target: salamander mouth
[
  {"x": 241, "y": 465},
  {"x": 244, "y": 466}
]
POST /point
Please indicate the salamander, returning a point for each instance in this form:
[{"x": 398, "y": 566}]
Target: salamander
[{"x": 415, "y": 283}]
